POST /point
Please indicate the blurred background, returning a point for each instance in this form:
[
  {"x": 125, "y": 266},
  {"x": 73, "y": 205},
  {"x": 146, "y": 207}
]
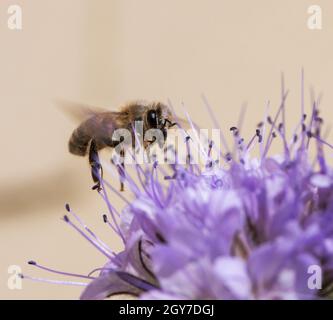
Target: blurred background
[{"x": 105, "y": 53}]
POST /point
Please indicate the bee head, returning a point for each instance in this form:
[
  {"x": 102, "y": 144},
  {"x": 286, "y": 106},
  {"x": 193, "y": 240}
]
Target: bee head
[{"x": 158, "y": 117}]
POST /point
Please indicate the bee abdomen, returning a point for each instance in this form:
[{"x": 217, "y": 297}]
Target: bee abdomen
[{"x": 79, "y": 141}]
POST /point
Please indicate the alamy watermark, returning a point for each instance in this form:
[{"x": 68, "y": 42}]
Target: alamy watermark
[
  {"x": 315, "y": 280},
  {"x": 172, "y": 146},
  {"x": 14, "y": 281},
  {"x": 315, "y": 19},
  {"x": 15, "y": 17}
]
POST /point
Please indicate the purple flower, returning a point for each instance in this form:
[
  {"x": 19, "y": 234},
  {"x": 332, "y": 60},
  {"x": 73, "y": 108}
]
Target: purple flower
[{"x": 250, "y": 228}]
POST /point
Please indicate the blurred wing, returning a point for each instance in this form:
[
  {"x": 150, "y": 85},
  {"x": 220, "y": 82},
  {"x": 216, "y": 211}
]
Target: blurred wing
[{"x": 78, "y": 111}]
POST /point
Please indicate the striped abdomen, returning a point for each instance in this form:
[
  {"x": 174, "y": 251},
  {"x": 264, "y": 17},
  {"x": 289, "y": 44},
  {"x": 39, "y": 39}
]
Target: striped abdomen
[
  {"x": 98, "y": 128},
  {"x": 79, "y": 141}
]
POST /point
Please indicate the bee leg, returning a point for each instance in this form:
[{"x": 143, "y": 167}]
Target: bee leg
[
  {"x": 170, "y": 124},
  {"x": 147, "y": 146},
  {"x": 96, "y": 168}
]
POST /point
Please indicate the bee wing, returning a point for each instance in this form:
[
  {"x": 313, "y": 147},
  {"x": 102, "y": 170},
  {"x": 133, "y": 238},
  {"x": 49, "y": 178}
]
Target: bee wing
[
  {"x": 103, "y": 124},
  {"x": 78, "y": 111}
]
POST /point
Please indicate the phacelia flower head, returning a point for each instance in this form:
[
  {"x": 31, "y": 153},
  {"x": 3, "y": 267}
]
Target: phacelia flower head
[{"x": 242, "y": 228}]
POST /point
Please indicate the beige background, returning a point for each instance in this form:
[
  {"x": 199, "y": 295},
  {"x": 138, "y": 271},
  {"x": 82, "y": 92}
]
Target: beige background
[{"x": 107, "y": 52}]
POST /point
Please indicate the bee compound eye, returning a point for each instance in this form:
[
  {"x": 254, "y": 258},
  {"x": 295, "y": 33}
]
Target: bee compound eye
[{"x": 152, "y": 118}]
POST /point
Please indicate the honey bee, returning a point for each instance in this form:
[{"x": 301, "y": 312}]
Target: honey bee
[{"x": 95, "y": 132}]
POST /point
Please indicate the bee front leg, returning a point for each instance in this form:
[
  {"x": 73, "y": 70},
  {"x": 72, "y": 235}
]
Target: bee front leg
[
  {"x": 96, "y": 168},
  {"x": 120, "y": 165}
]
